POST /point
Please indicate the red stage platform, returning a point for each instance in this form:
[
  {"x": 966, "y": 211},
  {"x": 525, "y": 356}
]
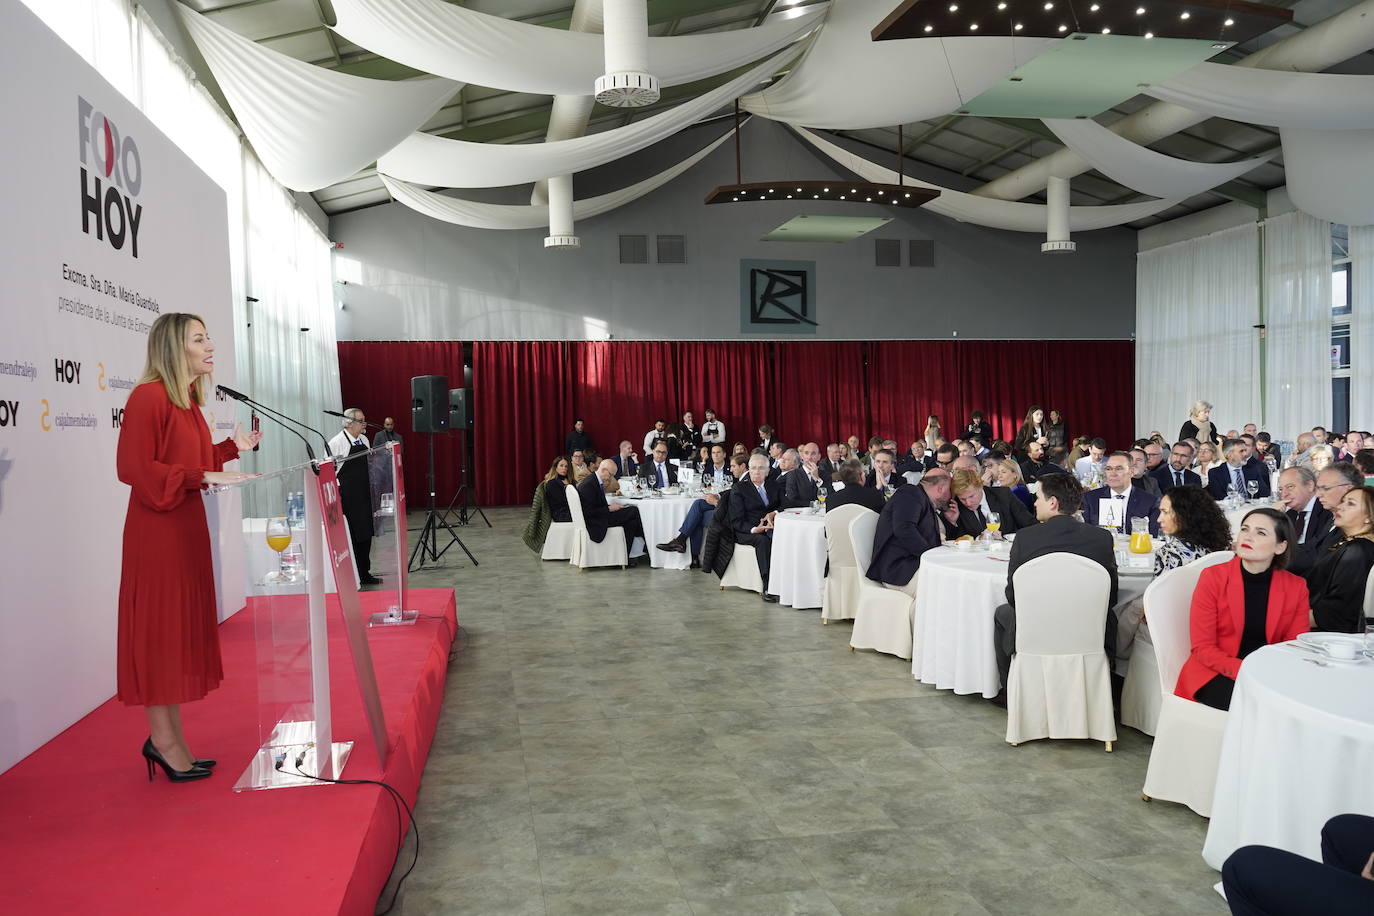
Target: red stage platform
[{"x": 83, "y": 831}]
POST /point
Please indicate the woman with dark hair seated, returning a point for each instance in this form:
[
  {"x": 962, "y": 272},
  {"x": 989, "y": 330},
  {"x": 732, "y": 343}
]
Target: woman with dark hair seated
[
  {"x": 1193, "y": 526},
  {"x": 1242, "y": 605},
  {"x": 555, "y": 489},
  {"x": 1336, "y": 584}
]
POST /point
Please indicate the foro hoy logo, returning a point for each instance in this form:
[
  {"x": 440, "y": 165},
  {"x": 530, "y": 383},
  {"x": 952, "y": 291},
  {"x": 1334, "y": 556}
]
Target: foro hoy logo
[
  {"x": 9, "y": 413},
  {"x": 108, "y": 191},
  {"x": 68, "y": 372}
]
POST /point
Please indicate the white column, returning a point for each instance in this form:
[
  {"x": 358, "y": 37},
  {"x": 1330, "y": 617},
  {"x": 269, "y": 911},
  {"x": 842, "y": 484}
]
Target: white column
[
  {"x": 627, "y": 82},
  {"x": 561, "y": 214},
  {"x": 1057, "y": 222}
]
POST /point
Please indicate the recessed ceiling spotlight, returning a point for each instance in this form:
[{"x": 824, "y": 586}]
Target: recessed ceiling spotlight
[
  {"x": 973, "y": 26},
  {"x": 1063, "y": 28},
  {"x": 1001, "y": 6},
  {"x": 853, "y": 191},
  {"x": 869, "y": 199},
  {"x": 1229, "y": 22},
  {"x": 880, "y": 193},
  {"x": 1094, "y": 8},
  {"x": 908, "y": 195},
  {"x": 815, "y": 197},
  {"x": 789, "y": 196},
  {"x": 827, "y": 190},
  {"x": 1017, "y": 27},
  {"x": 930, "y": 28},
  {"x": 1106, "y": 31},
  {"x": 1186, "y": 15},
  {"x": 734, "y": 198},
  {"x": 1140, "y": 11},
  {"x": 1149, "y": 34},
  {"x": 841, "y": 197},
  {"x": 1049, "y": 6},
  {"x": 954, "y": 7},
  {"x": 798, "y": 190},
  {"x": 770, "y": 190}
]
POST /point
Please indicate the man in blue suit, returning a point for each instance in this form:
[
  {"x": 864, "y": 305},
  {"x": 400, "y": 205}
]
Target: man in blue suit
[
  {"x": 627, "y": 462},
  {"x": 1177, "y": 471},
  {"x": 908, "y": 526},
  {"x": 1238, "y": 473},
  {"x": 1126, "y": 502}
]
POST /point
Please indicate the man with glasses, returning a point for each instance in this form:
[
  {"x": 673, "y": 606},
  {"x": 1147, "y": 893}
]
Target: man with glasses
[
  {"x": 753, "y": 505},
  {"x": 1311, "y": 520},
  {"x": 945, "y": 455},
  {"x": 657, "y": 472},
  {"x": 1178, "y": 471},
  {"x": 355, "y": 491},
  {"x": 1114, "y": 505},
  {"x": 1333, "y": 482}
]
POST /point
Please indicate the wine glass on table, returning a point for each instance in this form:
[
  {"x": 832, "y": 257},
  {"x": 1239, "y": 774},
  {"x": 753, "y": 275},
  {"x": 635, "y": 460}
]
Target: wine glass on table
[
  {"x": 994, "y": 522},
  {"x": 1253, "y": 487},
  {"x": 278, "y": 538}
]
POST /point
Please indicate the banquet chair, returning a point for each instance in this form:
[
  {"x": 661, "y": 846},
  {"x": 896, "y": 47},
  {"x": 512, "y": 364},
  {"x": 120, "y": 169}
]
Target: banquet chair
[
  {"x": 1368, "y": 593},
  {"x": 743, "y": 571},
  {"x": 1060, "y": 684},
  {"x": 1140, "y": 696},
  {"x": 586, "y": 552},
  {"x": 1187, "y": 748},
  {"x": 558, "y": 543},
  {"x": 883, "y": 617},
  {"x": 841, "y": 595},
  {"x": 913, "y": 477}
]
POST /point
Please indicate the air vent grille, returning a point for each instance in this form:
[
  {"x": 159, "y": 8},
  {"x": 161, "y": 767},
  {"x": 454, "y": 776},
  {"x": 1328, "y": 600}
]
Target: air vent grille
[
  {"x": 672, "y": 249},
  {"x": 887, "y": 252},
  {"x": 921, "y": 252},
  {"x": 634, "y": 249}
]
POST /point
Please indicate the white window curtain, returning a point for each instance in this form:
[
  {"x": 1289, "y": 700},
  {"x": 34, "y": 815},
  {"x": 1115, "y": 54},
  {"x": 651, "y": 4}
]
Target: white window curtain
[
  {"x": 1196, "y": 304},
  {"x": 1297, "y": 309},
  {"x": 1362, "y": 326}
]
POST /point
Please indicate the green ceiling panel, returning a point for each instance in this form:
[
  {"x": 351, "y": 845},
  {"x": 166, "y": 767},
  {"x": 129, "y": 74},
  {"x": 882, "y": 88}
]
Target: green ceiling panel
[
  {"x": 1084, "y": 75},
  {"x": 825, "y": 228}
]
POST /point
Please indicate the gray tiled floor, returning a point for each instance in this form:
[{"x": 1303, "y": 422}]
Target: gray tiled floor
[{"x": 640, "y": 742}]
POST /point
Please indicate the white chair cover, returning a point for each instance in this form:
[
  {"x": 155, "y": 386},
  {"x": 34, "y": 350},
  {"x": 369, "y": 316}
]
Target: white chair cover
[
  {"x": 1183, "y": 761},
  {"x": 841, "y": 596},
  {"x": 1060, "y": 684},
  {"x": 586, "y": 552},
  {"x": 743, "y": 571},
  {"x": 1140, "y": 696},
  {"x": 884, "y": 617},
  {"x": 558, "y": 543}
]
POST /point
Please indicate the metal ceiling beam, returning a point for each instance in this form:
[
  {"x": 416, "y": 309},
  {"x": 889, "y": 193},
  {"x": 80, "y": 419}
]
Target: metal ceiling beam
[{"x": 987, "y": 160}]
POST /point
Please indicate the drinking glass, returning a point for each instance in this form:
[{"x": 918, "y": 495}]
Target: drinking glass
[
  {"x": 1369, "y": 637},
  {"x": 278, "y": 538},
  {"x": 888, "y": 490},
  {"x": 821, "y": 494},
  {"x": 994, "y": 522},
  {"x": 1253, "y": 487}
]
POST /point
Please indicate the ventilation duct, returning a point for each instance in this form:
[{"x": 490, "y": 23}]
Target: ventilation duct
[
  {"x": 561, "y": 214},
  {"x": 1057, "y": 218},
  {"x": 627, "y": 82}
]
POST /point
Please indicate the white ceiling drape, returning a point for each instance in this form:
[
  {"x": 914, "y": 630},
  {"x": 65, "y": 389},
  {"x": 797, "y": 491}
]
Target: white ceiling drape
[
  {"x": 1142, "y": 169},
  {"x": 485, "y": 50},
  {"x": 478, "y": 215},
  {"x": 311, "y": 127},
  {"x": 847, "y": 81},
  {"x": 1328, "y": 173},
  {"x": 1281, "y": 98},
  {"x": 429, "y": 160},
  {"x": 1014, "y": 216}
]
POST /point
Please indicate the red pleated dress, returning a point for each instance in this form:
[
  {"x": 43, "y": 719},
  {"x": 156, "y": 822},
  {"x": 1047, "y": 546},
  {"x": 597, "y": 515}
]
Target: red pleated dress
[{"x": 168, "y": 626}]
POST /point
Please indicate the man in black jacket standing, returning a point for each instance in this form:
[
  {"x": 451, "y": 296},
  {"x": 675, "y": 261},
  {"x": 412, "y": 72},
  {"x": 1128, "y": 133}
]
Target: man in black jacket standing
[
  {"x": 752, "y": 506},
  {"x": 577, "y": 439},
  {"x": 599, "y": 515}
]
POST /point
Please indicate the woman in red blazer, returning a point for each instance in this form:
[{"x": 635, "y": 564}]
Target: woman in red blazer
[{"x": 1242, "y": 605}]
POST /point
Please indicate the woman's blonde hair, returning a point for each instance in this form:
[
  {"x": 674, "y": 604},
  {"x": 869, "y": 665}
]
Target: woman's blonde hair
[
  {"x": 964, "y": 480},
  {"x": 1197, "y": 408},
  {"x": 167, "y": 360},
  {"x": 553, "y": 468},
  {"x": 1007, "y": 464}
]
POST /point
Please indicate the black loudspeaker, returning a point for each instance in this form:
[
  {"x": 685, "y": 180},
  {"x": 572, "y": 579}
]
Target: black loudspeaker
[
  {"x": 429, "y": 403},
  {"x": 458, "y": 416}
]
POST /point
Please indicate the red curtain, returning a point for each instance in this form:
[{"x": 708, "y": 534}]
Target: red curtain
[
  {"x": 907, "y": 381},
  {"x": 375, "y": 376},
  {"x": 818, "y": 391},
  {"x": 730, "y": 378},
  {"x": 523, "y": 391},
  {"x": 1092, "y": 384},
  {"x": 619, "y": 389}
]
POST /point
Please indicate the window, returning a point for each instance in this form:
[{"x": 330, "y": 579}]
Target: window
[
  {"x": 1340, "y": 347},
  {"x": 1340, "y": 289},
  {"x": 1340, "y": 403},
  {"x": 1340, "y": 326}
]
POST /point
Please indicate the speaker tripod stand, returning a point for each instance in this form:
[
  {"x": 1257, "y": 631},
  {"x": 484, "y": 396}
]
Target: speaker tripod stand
[
  {"x": 464, "y": 502},
  {"x": 427, "y": 549}
]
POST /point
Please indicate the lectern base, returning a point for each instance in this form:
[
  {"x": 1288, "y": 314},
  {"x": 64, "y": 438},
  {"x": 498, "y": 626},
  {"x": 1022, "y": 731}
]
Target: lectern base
[
  {"x": 393, "y": 617},
  {"x": 262, "y": 772}
]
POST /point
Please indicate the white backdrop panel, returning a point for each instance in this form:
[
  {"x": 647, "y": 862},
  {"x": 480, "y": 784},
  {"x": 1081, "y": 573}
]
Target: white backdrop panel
[{"x": 70, "y": 354}]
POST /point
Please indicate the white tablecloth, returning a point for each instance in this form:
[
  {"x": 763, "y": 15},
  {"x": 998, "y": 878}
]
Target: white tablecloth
[
  {"x": 1237, "y": 515},
  {"x": 1298, "y": 749},
  {"x": 957, "y": 593},
  {"x": 797, "y": 569},
  {"x": 662, "y": 517}
]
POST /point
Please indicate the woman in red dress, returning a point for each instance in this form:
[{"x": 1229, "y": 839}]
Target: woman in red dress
[{"x": 168, "y": 626}]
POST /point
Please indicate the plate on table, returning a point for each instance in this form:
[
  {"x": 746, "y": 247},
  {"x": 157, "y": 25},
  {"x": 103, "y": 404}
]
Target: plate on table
[
  {"x": 671, "y": 491},
  {"x": 1323, "y": 641}
]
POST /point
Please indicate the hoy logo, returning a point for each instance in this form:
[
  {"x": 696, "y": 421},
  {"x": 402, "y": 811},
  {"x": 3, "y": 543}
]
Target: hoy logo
[
  {"x": 116, "y": 417},
  {"x": 107, "y": 193},
  {"x": 68, "y": 371},
  {"x": 9, "y": 413}
]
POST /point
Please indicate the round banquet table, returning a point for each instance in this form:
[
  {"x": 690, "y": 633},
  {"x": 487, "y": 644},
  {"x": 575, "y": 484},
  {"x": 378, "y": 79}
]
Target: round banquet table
[
  {"x": 797, "y": 574},
  {"x": 661, "y": 516},
  {"x": 1298, "y": 750},
  {"x": 957, "y": 593},
  {"x": 1235, "y": 516}
]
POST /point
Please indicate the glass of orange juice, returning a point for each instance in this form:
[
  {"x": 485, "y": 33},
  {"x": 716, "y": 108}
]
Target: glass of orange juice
[{"x": 279, "y": 538}]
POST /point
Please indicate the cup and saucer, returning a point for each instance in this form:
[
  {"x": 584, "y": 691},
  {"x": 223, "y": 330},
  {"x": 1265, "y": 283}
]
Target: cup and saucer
[{"x": 1343, "y": 648}]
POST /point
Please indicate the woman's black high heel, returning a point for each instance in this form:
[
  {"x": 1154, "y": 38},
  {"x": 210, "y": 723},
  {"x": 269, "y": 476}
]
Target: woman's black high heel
[
  {"x": 204, "y": 764},
  {"x": 151, "y": 755}
]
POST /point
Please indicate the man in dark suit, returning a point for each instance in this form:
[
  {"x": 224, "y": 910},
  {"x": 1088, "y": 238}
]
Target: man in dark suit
[
  {"x": 577, "y": 439},
  {"x": 830, "y": 463},
  {"x": 1058, "y": 532},
  {"x": 626, "y": 463},
  {"x": 1177, "y": 471},
  {"x": 882, "y": 472},
  {"x": 908, "y": 526},
  {"x": 717, "y": 471},
  {"x": 848, "y": 488},
  {"x": 657, "y": 472},
  {"x": 1125, "y": 501},
  {"x": 1056, "y": 461},
  {"x": 1237, "y": 472},
  {"x": 799, "y": 484},
  {"x": 752, "y": 505},
  {"x": 1311, "y": 520},
  {"x": 1033, "y": 464},
  {"x": 976, "y": 501},
  {"x": 1140, "y": 473},
  {"x": 599, "y": 515}
]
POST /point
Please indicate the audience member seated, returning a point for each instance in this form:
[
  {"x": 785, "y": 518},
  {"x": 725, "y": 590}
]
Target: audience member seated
[
  {"x": 945, "y": 455},
  {"x": 883, "y": 472},
  {"x": 1056, "y": 461},
  {"x": 657, "y": 472},
  {"x": 1302, "y": 452},
  {"x": 1336, "y": 584},
  {"x": 1177, "y": 471},
  {"x": 1057, "y": 501},
  {"x": 977, "y": 502},
  {"x": 718, "y": 546},
  {"x": 1322, "y": 456},
  {"x": 909, "y": 525},
  {"x": 1208, "y": 457},
  {"x": 1154, "y": 457},
  {"x": 556, "y": 490},
  {"x": 849, "y": 487},
  {"x": 775, "y": 453},
  {"x": 1078, "y": 450},
  {"x": 688, "y": 436},
  {"x": 852, "y": 444},
  {"x": 916, "y": 459},
  {"x": 701, "y": 458},
  {"x": 1311, "y": 520},
  {"x": 1140, "y": 472},
  {"x": 1033, "y": 429},
  {"x": 1263, "y": 881},
  {"x": 1237, "y": 473},
  {"x": 1126, "y": 502},
  {"x": 799, "y": 485},
  {"x": 875, "y": 445},
  {"x": 579, "y": 469},
  {"x": 1199, "y": 424},
  {"x": 600, "y": 516},
  {"x": 739, "y": 448},
  {"x": 1364, "y": 462},
  {"x": 1354, "y": 441},
  {"x": 1239, "y": 604},
  {"x": 699, "y": 515},
  {"x": 660, "y": 431},
  {"x": 753, "y": 505},
  {"x": 1093, "y": 464},
  {"x": 1033, "y": 462},
  {"x": 716, "y": 472},
  {"x": 627, "y": 462},
  {"x": 831, "y": 462},
  {"x": 1009, "y": 476}
]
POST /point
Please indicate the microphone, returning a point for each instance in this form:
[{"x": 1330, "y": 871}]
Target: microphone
[
  {"x": 335, "y": 413},
  {"x": 277, "y": 418}
]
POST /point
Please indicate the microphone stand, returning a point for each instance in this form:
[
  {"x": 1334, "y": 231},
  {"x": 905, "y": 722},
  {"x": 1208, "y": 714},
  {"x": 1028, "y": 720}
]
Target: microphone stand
[
  {"x": 279, "y": 417},
  {"x": 368, "y": 423}
]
